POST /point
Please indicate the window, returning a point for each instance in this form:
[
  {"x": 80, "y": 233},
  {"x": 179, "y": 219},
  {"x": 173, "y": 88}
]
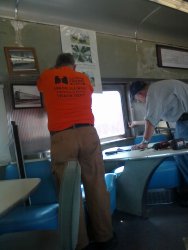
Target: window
[{"x": 108, "y": 112}]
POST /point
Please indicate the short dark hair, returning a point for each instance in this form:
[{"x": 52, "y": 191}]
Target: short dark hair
[
  {"x": 135, "y": 87},
  {"x": 64, "y": 59}
]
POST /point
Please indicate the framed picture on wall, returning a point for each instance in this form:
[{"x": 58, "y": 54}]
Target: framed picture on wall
[
  {"x": 172, "y": 57},
  {"x": 26, "y": 96},
  {"x": 21, "y": 60}
]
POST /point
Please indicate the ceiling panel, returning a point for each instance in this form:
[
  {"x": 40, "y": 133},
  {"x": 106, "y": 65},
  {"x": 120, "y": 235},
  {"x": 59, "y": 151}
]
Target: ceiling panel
[
  {"x": 7, "y": 8},
  {"x": 139, "y": 18}
]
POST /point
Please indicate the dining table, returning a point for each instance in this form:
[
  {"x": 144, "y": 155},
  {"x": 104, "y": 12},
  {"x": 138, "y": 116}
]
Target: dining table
[
  {"x": 139, "y": 166},
  {"x": 14, "y": 191}
]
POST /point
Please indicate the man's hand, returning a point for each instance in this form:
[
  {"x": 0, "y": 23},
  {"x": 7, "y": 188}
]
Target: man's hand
[{"x": 140, "y": 146}]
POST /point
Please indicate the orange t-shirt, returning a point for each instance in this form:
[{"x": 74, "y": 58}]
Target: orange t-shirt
[{"x": 67, "y": 97}]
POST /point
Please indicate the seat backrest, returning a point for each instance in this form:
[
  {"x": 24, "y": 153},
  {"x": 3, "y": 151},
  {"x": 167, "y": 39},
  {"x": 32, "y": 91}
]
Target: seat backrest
[
  {"x": 110, "y": 179},
  {"x": 154, "y": 138},
  {"x": 46, "y": 192}
]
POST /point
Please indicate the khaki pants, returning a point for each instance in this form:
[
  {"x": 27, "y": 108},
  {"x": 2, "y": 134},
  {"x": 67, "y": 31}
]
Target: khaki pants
[{"x": 83, "y": 144}]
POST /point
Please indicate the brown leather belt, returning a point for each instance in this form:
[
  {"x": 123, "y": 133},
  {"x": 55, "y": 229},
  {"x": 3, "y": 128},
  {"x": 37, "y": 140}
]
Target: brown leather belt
[
  {"x": 78, "y": 125},
  {"x": 183, "y": 117}
]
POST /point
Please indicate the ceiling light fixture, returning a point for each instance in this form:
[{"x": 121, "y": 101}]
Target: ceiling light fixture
[{"x": 181, "y": 5}]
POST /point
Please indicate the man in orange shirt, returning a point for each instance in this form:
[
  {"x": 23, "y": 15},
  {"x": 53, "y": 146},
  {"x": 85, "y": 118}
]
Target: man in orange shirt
[{"x": 67, "y": 98}]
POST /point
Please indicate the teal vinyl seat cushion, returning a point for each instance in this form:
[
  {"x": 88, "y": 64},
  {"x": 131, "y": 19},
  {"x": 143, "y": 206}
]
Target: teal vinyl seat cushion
[{"x": 42, "y": 214}]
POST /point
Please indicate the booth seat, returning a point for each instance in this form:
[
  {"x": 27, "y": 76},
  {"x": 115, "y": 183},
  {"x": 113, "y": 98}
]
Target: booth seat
[
  {"x": 166, "y": 175},
  {"x": 42, "y": 214},
  {"x": 110, "y": 179},
  {"x": 164, "y": 181},
  {"x": 43, "y": 210}
]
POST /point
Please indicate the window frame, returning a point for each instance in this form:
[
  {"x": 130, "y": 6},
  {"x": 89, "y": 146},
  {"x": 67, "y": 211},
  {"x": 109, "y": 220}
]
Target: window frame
[{"x": 121, "y": 88}]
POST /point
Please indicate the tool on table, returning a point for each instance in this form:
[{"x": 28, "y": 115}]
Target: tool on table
[
  {"x": 118, "y": 150},
  {"x": 175, "y": 144}
]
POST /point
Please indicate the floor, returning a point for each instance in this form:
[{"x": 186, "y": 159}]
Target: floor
[{"x": 165, "y": 228}]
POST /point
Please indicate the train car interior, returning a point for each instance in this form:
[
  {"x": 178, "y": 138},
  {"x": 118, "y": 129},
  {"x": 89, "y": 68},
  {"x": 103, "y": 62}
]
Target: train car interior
[{"x": 114, "y": 43}]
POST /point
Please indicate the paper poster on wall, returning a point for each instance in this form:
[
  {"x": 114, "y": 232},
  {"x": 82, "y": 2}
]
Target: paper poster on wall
[{"x": 82, "y": 44}]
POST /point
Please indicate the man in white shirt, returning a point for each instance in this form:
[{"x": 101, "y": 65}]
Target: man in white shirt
[{"x": 166, "y": 100}]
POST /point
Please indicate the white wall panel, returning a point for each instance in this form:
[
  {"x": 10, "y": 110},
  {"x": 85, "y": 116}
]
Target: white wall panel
[{"x": 4, "y": 141}]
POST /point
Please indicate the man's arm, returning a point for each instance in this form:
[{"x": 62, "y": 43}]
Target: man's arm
[{"x": 149, "y": 130}]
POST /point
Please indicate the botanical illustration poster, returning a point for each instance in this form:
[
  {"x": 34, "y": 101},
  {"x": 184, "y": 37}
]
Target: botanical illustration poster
[{"x": 82, "y": 44}]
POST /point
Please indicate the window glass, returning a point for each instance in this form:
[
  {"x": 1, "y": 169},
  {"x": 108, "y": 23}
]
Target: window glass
[{"x": 107, "y": 109}]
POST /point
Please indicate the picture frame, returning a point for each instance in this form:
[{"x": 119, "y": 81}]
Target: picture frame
[
  {"x": 26, "y": 96},
  {"x": 172, "y": 57},
  {"x": 21, "y": 60}
]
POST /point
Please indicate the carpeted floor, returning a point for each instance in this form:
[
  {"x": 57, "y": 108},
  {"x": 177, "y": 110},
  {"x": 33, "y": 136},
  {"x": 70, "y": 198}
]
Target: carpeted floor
[{"x": 166, "y": 228}]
